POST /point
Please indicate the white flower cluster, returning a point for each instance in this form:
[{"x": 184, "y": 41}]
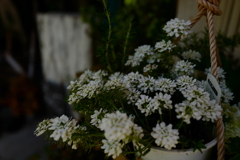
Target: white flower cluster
[
  {"x": 146, "y": 84},
  {"x": 89, "y": 84},
  {"x": 163, "y": 45},
  {"x": 165, "y": 85},
  {"x": 139, "y": 54},
  {"x": 184, "y": 82},
  {"x": 61, "y": 127},
  {"x": 149, "y": 67},
  {"x": 227, "y": 95},
  {"x": 191, "y": 55},
  {"x": 149, "y": 105},
  {"x": 165, "y": 136},
  {"x": 183, "y": 68},
  {"x": 117, "y": 129},
  {"x": 197, "y": 105},
  {"x": 97, "y": 117},
  {"x": 115, "y": 81},
  {"x": 176, "y": 27},
  {"x": 147, "y": 53}
]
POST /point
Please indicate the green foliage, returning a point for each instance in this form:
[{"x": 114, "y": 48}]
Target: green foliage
[
  {"x": 124, "y": 29},
  {"x": 233, "y": 148}
]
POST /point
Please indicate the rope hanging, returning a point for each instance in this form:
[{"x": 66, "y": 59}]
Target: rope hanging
[{"x": 210, "y": 8}]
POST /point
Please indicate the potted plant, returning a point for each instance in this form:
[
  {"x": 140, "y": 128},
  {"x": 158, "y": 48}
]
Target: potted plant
[{"x": 157, "y": 100}]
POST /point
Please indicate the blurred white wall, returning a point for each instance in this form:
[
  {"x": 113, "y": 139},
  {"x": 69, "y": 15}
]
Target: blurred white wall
[{"x": 65, "y": 46}]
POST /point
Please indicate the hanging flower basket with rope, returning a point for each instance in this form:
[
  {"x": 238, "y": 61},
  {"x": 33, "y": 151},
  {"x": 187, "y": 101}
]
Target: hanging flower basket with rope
[{"x": 150, "y": 105}]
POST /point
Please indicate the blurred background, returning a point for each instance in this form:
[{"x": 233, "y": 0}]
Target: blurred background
[{"x": 46, "y": 43}]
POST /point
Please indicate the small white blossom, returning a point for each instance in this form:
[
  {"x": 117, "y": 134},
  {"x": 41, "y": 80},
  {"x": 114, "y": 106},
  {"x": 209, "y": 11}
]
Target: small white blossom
[
  {"x": 165, "y": 85},
  {"x": 139, "y": 55},
  {"x": 163, "y": 45},
  {"x": 115, "y": 81},
  {"x": 88, "y": 85},
  {"x": 165, "y": 136},
  {"x": 132, "y": 79},
  {"x": 227, "y": 95},
  {"x": 186, "y": 110},
  {"x": 112, "y": 148},
  {"x": 160, "y": 101},
  {"x": 116, "y": 126},
  {"x": 63, "y": 128},
  {"x": 191, "y": 55},
  {"x": 95, "y": 119},
  {"x": 184, "y": 82},
  {"x": 183, "y": 68},
  {"x": 212, "y": 111},
  {"x": 146, "y": 84},
  {"x": 149, "y": 67},
  {"x": 201, "y": 84},
  {"x": 42, "y": 127},
  {"x": 138, "y": 131},
  {"x": 132, "y": 95},
  {"x": 176, "y": 27},
  {"x": 144, "y": 105}
]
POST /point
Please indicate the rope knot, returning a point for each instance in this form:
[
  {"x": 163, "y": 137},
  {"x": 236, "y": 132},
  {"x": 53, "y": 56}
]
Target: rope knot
[{"x": 212, "y": 5}]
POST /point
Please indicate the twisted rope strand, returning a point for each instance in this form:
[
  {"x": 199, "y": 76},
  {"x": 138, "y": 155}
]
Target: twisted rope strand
[
  {"x": 210, "y": 8},
  {"x": 213, "y": 55}
]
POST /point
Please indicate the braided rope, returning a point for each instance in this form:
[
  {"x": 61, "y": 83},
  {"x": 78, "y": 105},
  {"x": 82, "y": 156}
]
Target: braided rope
[{"x": 210, "y": 8}]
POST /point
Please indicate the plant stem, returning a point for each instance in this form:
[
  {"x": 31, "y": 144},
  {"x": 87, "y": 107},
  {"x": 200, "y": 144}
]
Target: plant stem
[
  {"x": 139, "y": 117},
  {"x": 126, "y": 41},
  {"x": 180, "y": 124},
  {"x": 109, "y": 34}
]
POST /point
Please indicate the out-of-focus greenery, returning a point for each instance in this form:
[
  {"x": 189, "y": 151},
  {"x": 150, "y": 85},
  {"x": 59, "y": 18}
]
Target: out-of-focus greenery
[
  {"x": 233, "y": 148},
  {"x": 146, "y": 19}
]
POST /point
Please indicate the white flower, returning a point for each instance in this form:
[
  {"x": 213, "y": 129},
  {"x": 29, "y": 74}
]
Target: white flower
[
  {"x": 176, "y": 27},
  {"x": 116, "y": 126},
  {"x": 212, "y": 111},
  {"x": 146, "y": 84},
  {"x": 201, "y": 84},
  {"x": 115, "y": 81},
  {"x": 227, "y": 95},
  {"x": 149, "y": 67},
  {"x": 42, "y": 127},
  {"x": 112, "y": 148},
  {"x": 95, "y": 119},
  {"x": 139, "y": 54},
  {"x": 88, "y": 85},
  {"x": 161, "y": 101},
  {"x": 132, "y": 79},
  {"x": 165, "y": 85},
  {"x": 192, "y": 55},
  {"x": 144, "y": 105},
  {"x": 197, "y": 106},
  {"x": 184, "y": 82},
  {"x": 138, "y": 131},
  {"x": 62, "y": 127},
  {"x": 163, "y": 45},
  {"x": 165, "y": 136},
  {"x": 198, "y": 95},
  {"x": 186, "y": 110},
  {"x": 132, "y": 95},
  {"x": 183, "y": 68}
]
